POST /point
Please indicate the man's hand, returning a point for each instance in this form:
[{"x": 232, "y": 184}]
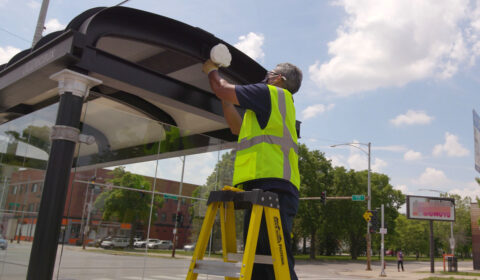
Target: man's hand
[{"x": 209, "y": 66}]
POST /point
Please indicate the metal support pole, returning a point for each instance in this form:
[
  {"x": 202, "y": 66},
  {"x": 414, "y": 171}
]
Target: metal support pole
[
  {"x": 452, "y": 239},
  {"x": 382, "y": 246},
  {"x": 40, "y": 22},
  {"x": 178, "y": 210},
  {"x": 369, "y": 242},
  {"x": 432, "y": 249},
  {"x": 86, "y": 230},
  {"x": 73, "y": 88}
]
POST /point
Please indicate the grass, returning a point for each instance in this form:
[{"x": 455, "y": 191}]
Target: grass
[
  {"x": 445, "y": 278},
  {"x": 363, "y": 258},
  {"x": 461, "y": 273}
]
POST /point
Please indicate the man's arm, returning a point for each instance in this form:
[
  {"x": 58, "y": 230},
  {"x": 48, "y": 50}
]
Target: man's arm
[
  {"x": 222, "y": 89},
  {"x": 226, "y": 92},
  {"x": 232, "y": 117}
]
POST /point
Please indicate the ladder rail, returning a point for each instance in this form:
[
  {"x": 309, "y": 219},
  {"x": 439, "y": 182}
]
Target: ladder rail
[
  {"x": 235, "y": 266},
  {"x": 202, "y": 241}
]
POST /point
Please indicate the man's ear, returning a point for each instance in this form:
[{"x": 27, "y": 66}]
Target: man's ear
[{"x": 277, "y": 81}]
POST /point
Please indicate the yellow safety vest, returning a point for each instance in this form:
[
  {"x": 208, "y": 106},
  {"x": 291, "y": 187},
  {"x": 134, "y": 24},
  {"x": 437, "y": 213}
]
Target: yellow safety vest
[{"x": 271, "y": 152}]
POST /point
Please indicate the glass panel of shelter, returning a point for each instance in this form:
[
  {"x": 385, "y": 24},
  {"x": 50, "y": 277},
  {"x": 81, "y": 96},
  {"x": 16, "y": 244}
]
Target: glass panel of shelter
[
  {"x": 125, "y": 201},
  {"x": 24, "y": 149}
]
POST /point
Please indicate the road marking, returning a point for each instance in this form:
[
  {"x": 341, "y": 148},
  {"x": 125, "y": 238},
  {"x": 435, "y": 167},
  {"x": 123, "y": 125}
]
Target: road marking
[
  {"x": 141, "y": 278},
  {"x": 168, "y": 277}
]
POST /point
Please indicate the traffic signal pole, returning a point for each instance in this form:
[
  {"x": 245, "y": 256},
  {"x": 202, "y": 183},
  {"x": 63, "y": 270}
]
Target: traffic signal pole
[{"x": 382, "y": 246}]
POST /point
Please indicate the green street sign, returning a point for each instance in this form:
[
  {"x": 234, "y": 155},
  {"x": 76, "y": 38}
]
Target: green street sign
[
  {"x": 169, "y": 196},
  {"x": 358, "y": 197}
]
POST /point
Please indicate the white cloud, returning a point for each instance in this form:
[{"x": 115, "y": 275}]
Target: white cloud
[
  {"x": 432, "y": 177},
  {"x": 391, "y": 43},
  {"x": 391, "y": 148},
  {"x": 470, "y": 189},
  {"x": 411, "y": 155},
  {"x": 197, "y": 168},
  {"x": 412, "y": 117},
  {"x": 337, "y": 160},
  {"x": 378, "y": 165},
  {"x": 402, "y": 188},
  {"x": 7, "y": 53},
  {"x": 451, "y": 147},
  {"x": 3, "y": 2},
  {"x": 251, "y": 44},
  {"x": 33, "y": 4},
  {"x": 358, "y": 161},
  {"x": 312, "y": 111},
  {"x": 53, "y": 25}
]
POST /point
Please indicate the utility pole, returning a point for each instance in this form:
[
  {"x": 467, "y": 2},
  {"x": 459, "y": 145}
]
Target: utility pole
[
  {"x": 369, "y": 236},
  {"x": 382, "y": 247},
  {"x": 40, "y": 22},
  {"x": 178, "y": 210}
]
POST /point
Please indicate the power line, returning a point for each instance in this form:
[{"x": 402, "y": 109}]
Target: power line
[{"x": 15, "y": 35}]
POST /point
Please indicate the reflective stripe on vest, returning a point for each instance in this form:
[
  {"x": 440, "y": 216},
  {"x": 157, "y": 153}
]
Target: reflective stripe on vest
[{"x": 286, "y": 142}]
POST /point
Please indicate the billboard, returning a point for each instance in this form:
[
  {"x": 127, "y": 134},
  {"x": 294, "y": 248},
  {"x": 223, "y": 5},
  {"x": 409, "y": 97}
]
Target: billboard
[
  {"x": 430, "y": 208},
  {"x": 476, "y": 138}
]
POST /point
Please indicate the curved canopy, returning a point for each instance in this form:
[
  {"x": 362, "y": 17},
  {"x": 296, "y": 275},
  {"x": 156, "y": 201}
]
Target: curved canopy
[{"x": 150, "y": 67}]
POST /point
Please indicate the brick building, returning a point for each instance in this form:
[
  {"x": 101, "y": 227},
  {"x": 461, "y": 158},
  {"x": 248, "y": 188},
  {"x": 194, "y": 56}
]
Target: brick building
[{"x": 21, "y": 198}]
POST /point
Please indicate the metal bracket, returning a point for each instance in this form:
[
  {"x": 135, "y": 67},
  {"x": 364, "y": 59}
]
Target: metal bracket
[
  {"x": 63, "y": 132},
  {"x": 255, "y": 196}
]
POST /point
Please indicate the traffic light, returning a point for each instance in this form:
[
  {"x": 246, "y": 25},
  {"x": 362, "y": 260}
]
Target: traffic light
[
  {"x": 374, "y": 222},
  {"x": 179, "y": 218},
  {"x": 323, "y": 197}
]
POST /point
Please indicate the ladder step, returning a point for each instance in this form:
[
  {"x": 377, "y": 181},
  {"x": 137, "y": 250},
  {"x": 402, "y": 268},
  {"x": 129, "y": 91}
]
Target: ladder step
[
  {"x": 265, "y": 259},
  {"x": 218, "y": 268}
]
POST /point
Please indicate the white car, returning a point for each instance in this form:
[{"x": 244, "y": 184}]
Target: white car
[
  {"x": 116, "y": 242},
  {"x": 160, "y": 244},
  {"x": 143, "y": 243},
  {"x": 189, "y": 247}
]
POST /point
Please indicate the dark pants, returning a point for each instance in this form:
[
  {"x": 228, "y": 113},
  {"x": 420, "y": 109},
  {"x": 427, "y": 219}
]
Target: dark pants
[
  {"x": 288, "y": 210},
  {"x": 398, "y": 265}
]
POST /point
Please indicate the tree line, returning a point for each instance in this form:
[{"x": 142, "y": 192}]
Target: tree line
[
  {"x": 331, "y": 228},
  {"x": 337, "y": 226}
]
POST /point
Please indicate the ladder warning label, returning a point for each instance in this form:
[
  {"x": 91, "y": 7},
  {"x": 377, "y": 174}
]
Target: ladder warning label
[{"x": 279, "y": 234}]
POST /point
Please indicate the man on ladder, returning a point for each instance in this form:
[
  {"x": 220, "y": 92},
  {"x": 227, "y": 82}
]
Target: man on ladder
[{"x": 267, "y": 153}]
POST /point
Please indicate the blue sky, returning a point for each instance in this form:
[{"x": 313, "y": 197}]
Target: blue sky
[{"x": 402, "y": 75}]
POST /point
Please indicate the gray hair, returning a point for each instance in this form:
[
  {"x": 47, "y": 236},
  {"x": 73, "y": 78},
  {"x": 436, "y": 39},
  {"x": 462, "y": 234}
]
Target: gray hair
[{"x": 292, "y": 74}]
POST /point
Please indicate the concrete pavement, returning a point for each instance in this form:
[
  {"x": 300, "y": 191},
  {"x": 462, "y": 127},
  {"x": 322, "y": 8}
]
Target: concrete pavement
[{"x": 413, "y": 270}]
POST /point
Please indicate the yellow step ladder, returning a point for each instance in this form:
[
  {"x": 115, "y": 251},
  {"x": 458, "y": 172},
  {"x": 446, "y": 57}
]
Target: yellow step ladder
[{"x": 236, "y": 266}]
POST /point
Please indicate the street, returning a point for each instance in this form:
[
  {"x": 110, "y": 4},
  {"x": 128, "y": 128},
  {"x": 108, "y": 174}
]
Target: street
[{"x": 75, "y": 264}]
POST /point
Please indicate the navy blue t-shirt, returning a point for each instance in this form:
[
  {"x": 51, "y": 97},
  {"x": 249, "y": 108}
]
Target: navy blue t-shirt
[{"x": 256, "y": 97}]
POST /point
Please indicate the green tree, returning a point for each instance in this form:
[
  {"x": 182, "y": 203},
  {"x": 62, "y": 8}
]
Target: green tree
[
  {"x": 412, "y": 236},
  {"x": 346, "y": 216},
  {"x": 316, "y": 176},
  {"x": 383, "y": 193},
  {"x": 127, "y": 206},
  {"x": 462, "y": 230},
  {"x": 221, "y": 176}
]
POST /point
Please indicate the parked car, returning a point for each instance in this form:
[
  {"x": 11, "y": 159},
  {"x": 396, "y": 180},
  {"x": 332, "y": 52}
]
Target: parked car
[
  {"x": 160, "y": 244},
  {"x": 115, "y": 242},
  {"x": 96, "y": 242},
  {"x": 3, "y": 243},
  {"x": 143, "y": 243},
  {"x": 189, "y": 247}
]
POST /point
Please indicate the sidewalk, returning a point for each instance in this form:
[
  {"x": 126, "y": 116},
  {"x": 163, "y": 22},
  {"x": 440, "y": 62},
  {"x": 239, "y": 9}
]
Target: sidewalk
[{"x": 419, "y": 272}]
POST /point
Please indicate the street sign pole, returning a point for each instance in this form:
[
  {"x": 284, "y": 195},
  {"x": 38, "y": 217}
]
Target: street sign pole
[{"x": 382, "y": 232}]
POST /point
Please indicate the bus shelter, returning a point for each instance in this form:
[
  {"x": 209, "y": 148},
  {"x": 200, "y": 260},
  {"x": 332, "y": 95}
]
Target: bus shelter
[{"x": 118, "y": 89}]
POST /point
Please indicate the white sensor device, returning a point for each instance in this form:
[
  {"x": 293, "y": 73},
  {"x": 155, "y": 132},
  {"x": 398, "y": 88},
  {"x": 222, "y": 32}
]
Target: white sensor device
[{"x": 220, "y": 55}]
